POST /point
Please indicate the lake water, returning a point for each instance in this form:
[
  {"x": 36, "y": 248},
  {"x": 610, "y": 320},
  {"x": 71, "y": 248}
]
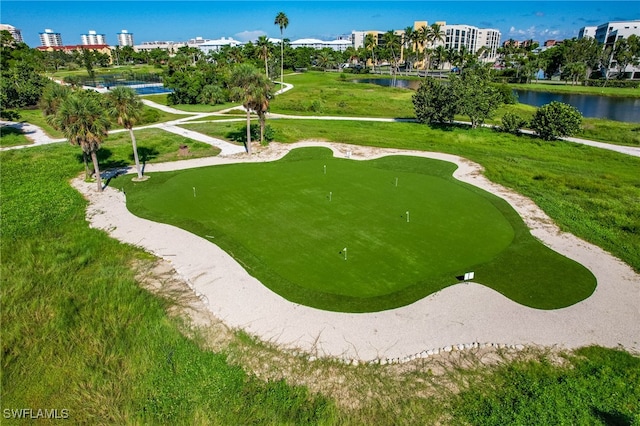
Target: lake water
[{"x": 619, "y": 109}]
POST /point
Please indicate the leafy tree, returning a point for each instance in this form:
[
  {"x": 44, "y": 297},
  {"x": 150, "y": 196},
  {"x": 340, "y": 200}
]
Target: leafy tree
[
  {"x": 626, "y": 52},
  {"x": 21, "y": 85},
  {"x": 212, "y": 95},
  {"x": 556, "y": 120},
  {"x": 126, "y": 107},
  {"x": 84, "y": 122},
  {"x": 477, "y": 97},
  {"x": 512, "y": 123},
  {"x": 282, "y": 22},
  {"x": 434, "y": 102}
]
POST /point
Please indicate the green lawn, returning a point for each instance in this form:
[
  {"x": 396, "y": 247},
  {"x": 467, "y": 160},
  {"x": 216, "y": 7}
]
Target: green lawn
[
  {"x": 290, "y": 226},
  {"x": 590, "y": 192},
  {"x": 10, "y": 136}
]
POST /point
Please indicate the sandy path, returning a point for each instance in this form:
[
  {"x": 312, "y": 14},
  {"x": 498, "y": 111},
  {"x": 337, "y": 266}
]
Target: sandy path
[{"x": 461, "y": 314}]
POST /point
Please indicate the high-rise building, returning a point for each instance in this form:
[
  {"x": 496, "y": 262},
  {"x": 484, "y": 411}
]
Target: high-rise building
[
  {"x": 93, "y": 39},
  {"x": 125, "y": 38},
  {"x": 587, "y": 32},
  {"x": 15, "y": 33},
  {"x": 50, "y": 39}
]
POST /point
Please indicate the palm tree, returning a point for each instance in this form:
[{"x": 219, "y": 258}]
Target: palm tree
[
  {"x": 421, "y": 38},
  {"x": 283, "y": 22},
  {"x": 84, "y": 123},
  {"x": 370, "y": 43},
  {"x": 126, "y": 107},
  {"x": 52, "y": 97},
  {"x": 264, "y": 51},
  {"x": 254, "y": 90},
  {"x": 407, "y": 42},
  {"x": 392, "y": 42}
]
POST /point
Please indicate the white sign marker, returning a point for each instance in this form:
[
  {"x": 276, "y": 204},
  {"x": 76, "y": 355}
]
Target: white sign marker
[
  {"x": 345, "y": 253},
  {"x": 469, "y": 276},
  {"x": 407, "y": 216},
  {"x": 194, "y": 192}
]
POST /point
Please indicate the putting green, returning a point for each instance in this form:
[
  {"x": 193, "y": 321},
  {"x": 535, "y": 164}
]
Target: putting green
[{"x": 408, "y": 227}]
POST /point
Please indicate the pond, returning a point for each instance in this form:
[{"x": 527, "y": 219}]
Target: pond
[{"x": 612, "y": 108}]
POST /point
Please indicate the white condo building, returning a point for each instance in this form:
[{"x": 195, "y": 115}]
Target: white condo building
[
  {"x": 338, "y": 45},
  {"x": 93, "y": 38},
  {"x": 125, "y": 38},
  {"x": 15, "y": 33},
  {"x": 50, "y": 39},
  {"x": 216, "y": 45},
  {"x": 609, "y": 32}
]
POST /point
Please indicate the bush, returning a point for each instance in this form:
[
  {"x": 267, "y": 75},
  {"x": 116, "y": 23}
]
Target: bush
[
  {"x": 507, "y": 95},
  {"x": 240, "y": 135},
  {"x": 614, "y": 83},
  {"x": 149, "y": 115},
  {"x": 556, "y": 120},
  {"x": 512, "y": 123},
  {"x": 434, "y": 102}
]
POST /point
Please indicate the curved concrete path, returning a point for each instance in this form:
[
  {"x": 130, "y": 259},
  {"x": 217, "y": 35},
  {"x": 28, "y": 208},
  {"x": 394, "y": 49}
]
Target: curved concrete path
[{"x": 464, "y": 314}]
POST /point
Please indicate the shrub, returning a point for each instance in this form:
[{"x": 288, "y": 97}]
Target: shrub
[
  {"x": 507, "y": 94},
  {"x": 556, "y": 120},
  {"x": 149, "y": 115},
  {"x": 512, "y": 123},
  {"x": 434, "y": 102}
]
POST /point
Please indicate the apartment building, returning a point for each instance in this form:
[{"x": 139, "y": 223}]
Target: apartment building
[
  {"x": 125, "y": 38},
  {"x": 92, "y": 38},
  {"x": 339, "y": 45},
  {"x": 15, "y": 33},
  {"x": 50, "y": 39}
]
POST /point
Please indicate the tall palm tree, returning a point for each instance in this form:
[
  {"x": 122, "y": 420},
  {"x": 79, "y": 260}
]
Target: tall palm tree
[
  {"x": 421, "y": 40},
  {"x": 84, "y": 123},
  {"x": 254, "y": 90},
  {"x": 407, "y": 42},
  {"x": 52, "y": 97},
  {"x": 264, "y": 51},
  {"x": 126, "y": 107},
  {"x": 370, "y": 43},
  {"x": 392, "y": 42},
  {"x": 283, "y": 22}
]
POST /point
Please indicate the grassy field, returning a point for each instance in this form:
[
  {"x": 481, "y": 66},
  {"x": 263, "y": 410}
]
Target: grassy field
[
  {"x": 296, "y": 246},
  {"x": 162, "y": 100}
]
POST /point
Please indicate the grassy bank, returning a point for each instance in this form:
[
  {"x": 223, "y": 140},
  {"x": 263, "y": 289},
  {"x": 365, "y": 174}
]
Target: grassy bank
[
  {"x": 578, "y": 89},
  {"x": 590, "y": 192},
  {"x": 10, "y": 136}
]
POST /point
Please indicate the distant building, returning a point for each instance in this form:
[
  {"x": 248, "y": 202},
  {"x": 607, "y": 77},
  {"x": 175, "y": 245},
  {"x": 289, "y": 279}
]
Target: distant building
[
  {"x": 358, "y": 37},
  {"x": 92, "y": 39},
  {"x": 551, "y": 43},
  {"x": 587, "y": 32},
  {"x": 125, "y": 38},
  {"x": 48, "y": 38},
  {"x": 100, "y": 48},
  {"x": 216, "y": 45},
  {"x": 15, "y": 33},
  {"x": 169, "y": 46},
  {"x": 337, "y": 45}
]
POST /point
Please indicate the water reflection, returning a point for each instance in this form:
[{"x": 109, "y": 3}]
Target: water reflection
[{"x": 612, "y": 108}]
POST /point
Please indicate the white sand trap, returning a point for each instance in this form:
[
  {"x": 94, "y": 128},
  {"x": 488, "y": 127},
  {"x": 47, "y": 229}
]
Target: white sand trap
[{"x": 460, "y": 314}]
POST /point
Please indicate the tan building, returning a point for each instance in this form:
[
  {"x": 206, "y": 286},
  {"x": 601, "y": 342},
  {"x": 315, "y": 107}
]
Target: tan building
[{"x": 100, "y": 48}]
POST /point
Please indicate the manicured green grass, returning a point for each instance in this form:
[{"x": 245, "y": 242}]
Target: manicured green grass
[
  {"x": 590, "y": 192},
  {"x": 149, "y": 116},
  {"x": 317, "y": 93},
  {"x": 291, "y": 225},
  {"x": 10, "y": 136}
]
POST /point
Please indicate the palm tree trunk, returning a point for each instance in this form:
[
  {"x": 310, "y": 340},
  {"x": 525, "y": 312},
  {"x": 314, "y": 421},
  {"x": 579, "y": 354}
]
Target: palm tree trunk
[
  {"x": 135, "y": 153},
  {"x": 281, "y": 59},
  {"x": 248, "y": 131},
  {"x": 94, "y": 157},
  {"x": 87, "y": 173},
  {"x": 263, "y": 120}
]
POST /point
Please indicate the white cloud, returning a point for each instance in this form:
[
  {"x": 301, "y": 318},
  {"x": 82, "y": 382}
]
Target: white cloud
[{"x": 249, "y": 35}]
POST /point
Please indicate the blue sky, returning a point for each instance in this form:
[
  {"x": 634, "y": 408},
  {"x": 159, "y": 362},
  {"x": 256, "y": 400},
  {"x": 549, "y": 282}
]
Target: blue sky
[{"x": 244, "y": 20}]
